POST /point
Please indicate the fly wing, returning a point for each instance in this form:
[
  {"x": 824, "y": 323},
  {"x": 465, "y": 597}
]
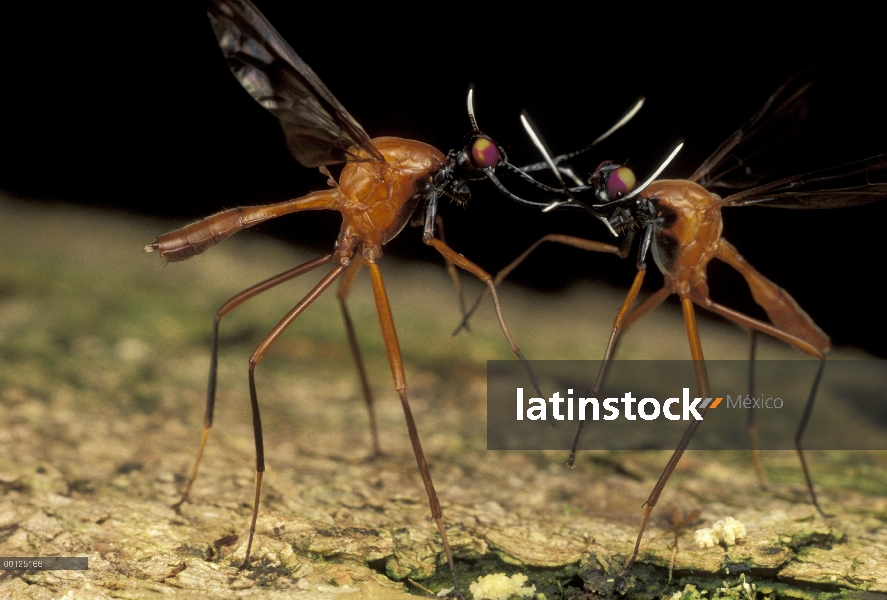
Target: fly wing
[
  {"x": 318, "y": 129},
  {"x": 853, "y": 184},
  {"x": 747, "y": 157}
]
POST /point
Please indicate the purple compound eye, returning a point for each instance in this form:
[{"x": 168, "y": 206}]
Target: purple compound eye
[
  {"x": 484, "y": 153},
  {"x": 620, "y": 182}
]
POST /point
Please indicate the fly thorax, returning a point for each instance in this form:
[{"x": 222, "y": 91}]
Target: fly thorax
[{"x": 666, "y": 251}]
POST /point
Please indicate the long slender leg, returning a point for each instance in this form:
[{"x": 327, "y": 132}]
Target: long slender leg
[
  {"x": 648, "y": 305},
  {"x": 214, "y": 355},
  {"x": 344, "y": 289},
  {"x": 453, "y": 272},
  {"x": 752, "y": 422},
  {"x": 392, "y": 348},
  {"x": 790, "y": 324},
  {"x": 702, "y": 383},
  {"x": 808, "y": 410},
  {"x": 801, "y": 345},
  {"x": 633, "y": 316},
  {"x": 254, "y": 360},
  {"x": 463, "y": 263},
  {"x": 617, "y": 325},
  {"x": 569, "y": 240}
]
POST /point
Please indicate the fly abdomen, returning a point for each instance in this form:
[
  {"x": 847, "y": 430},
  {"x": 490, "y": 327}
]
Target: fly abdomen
[{"x": 193, "y": 239}]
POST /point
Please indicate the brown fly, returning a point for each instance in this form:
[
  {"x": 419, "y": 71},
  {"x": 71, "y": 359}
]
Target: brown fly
[
  {"x": 679, "y": 222},
  {"x": 384, "y": 182}
]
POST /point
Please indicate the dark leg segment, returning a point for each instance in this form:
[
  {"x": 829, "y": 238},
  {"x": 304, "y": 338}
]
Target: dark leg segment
[
  {"x": 214, "y": 355},
  {"x": 752, "y": 423},
  {"x": 808, "y": 409},
  {"x": 254, "y": 360},
  {"x": 803, "y": 346}
]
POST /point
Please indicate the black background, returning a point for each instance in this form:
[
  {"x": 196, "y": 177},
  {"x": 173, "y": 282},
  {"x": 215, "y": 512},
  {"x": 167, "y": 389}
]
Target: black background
[{"x": 133, "y": 107}]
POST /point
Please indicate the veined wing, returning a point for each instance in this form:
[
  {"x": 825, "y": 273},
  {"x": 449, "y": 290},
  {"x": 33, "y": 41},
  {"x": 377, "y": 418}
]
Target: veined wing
[
  {"x": 318, "y": 129},
  {"x": 853, "y": 184},
  {"x": 749, "y": 155}
]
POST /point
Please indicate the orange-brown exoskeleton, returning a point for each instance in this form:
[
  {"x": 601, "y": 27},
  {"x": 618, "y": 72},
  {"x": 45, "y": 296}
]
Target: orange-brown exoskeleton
[
  {"x": 679, "y": 221},
  {"x": 386, "y": 183}
]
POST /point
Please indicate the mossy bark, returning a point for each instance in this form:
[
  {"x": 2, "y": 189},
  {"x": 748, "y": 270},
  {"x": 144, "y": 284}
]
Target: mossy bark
[{"x": 103, "y": 365}]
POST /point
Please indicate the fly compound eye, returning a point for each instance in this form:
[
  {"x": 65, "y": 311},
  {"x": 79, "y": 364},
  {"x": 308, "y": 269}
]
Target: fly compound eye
[
  {"x": 484, "y": 153},
  {"x": 620, "y": 182},
  {"x": 613, "y": 181}
]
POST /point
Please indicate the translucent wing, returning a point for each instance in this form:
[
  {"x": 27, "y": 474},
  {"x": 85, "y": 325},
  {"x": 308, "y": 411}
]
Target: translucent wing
[
  {"x": 318, "y": 129},
  {"x": 853, "y": 184},
  {"x": 745, "y": 158}
]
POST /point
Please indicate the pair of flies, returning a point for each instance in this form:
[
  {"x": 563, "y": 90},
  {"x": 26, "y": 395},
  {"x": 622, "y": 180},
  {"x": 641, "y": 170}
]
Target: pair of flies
[
  {"x": 679, "y": 223},
  {"x": 387, "y": 183}
]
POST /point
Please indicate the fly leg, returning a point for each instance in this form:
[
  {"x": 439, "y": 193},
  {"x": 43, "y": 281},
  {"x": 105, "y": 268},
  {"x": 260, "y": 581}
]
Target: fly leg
[
  {"x": 463, "y": 263},
  {"x": 214, "y": 356},
  {"x": 803, "y": 346},
  {"x": 752, "y": 425},
  {"x": 254, "y": 360},
  {"x": 791, "y": 324},
  {"x": 344, "y": 289},
  {"x": 624, "y": 319},
  {"x": 703, "y": 387},
  {"x": 392, "y": 348},
  {"x": 453, "y": 272},
  {"x": 569, "y": 240}
]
